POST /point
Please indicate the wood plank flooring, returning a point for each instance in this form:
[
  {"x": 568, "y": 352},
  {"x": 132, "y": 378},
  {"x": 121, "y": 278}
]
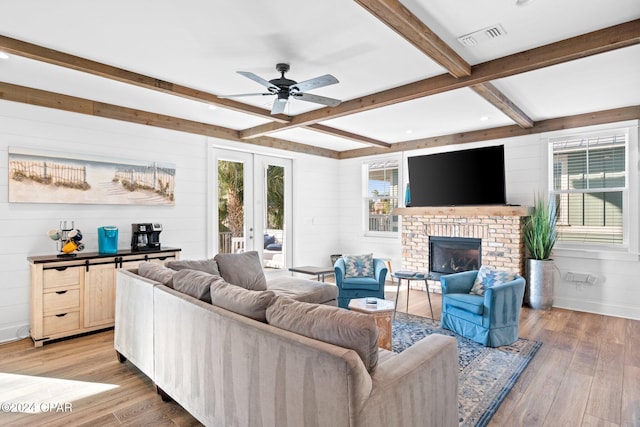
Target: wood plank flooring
[{"x": 587, "y": 373}]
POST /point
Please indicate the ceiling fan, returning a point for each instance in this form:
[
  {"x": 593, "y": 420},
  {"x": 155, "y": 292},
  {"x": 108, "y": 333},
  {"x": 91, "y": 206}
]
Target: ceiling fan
[{"x": 285, "y": 88}]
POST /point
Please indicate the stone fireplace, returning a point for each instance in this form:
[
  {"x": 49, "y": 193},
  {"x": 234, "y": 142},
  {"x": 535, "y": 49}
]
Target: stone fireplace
[{"x": 497, "y": 228}]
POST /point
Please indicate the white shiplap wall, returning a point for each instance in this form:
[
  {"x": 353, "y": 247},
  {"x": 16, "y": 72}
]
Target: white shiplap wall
[
  {"x": 23, "y": 226},
  {"x": 327, "y": 207}
]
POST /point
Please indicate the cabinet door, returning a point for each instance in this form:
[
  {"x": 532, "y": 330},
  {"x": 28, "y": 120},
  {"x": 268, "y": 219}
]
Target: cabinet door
[{"x": 99, "y": 295}]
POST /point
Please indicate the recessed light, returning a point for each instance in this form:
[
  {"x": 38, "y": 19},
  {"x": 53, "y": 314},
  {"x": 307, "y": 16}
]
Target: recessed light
[
  {"x": 4, "y": 55},
  {"x": 212, "y": 107},
  {"x": 408, "y": 131},
  {"x": 484, "y": 118}
]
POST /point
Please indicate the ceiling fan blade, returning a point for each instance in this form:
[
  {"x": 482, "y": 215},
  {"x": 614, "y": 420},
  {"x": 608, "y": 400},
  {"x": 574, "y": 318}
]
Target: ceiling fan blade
[
  {"x": 331, "y": 102},
  {"x": 278, "y": 106},
  {"x": 260, "y": 80},
  {"x": 245, "y": 94},
  {"x": 314, "y": 83}
]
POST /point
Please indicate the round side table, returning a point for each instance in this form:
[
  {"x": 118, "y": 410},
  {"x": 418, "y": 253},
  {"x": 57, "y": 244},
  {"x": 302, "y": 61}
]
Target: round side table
[{"x": 409, "y": 279}]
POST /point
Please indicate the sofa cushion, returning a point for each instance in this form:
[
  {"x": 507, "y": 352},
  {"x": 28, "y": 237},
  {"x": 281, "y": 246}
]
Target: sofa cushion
[
  {"x": 488, "y": 277},
  {"x": 206, "y": 265},
  {"x": 252, "y": 304},
  {"x": 242, "y": 269},
  {"x": 156, "y": 272},
  {"x": 194, "y": 283},
  {"x": 334, "y": 325},
  {"x": 304, "y": 290},
  {"x": 358, "y": 265},
  {"x": 274, "y": 247}
]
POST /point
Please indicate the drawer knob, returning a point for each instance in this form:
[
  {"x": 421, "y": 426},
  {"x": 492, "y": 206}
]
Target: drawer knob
[
  {"x": 61, "y": 268},
  {"x": 61, "y": 315},
  {"x": 61, "y": 292}
]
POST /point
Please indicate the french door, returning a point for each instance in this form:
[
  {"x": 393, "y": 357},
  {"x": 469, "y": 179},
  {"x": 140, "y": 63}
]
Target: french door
[{"x": 252, "y": 206}]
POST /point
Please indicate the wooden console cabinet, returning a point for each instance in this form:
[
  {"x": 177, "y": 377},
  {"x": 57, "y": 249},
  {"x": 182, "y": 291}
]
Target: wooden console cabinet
[{"x": 71, "y": 296}]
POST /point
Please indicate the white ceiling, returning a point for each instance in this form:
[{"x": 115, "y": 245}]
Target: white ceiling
[{"x": 201, "y": 44}]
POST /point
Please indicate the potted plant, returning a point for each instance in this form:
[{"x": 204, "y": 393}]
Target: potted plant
[{"x": 539, "y": 238}]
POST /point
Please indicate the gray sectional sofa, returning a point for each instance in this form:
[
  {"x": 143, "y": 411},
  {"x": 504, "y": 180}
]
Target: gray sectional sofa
[{"x": 274, "y": 353}]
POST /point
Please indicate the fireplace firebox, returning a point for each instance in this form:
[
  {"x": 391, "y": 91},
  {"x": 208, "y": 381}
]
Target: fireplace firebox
[{"x": 453, "y": 255}]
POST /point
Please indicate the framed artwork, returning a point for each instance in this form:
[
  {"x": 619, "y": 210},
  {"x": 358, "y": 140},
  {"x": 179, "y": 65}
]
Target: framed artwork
[{"x": 45, "y": 177}]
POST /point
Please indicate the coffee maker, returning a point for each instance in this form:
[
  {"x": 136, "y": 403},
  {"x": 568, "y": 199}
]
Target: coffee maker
[{"x": 145, "y": 236}]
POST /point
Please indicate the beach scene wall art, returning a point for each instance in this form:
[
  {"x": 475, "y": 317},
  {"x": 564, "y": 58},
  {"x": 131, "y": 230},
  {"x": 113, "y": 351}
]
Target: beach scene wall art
[{"x": 45, "y": 177}]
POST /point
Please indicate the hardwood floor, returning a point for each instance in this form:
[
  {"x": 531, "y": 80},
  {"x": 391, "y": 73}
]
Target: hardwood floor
[{"x": 587, "y": 373}]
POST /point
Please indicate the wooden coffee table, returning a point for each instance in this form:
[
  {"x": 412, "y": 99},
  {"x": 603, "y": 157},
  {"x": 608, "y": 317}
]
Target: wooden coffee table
[{"x": 382, "y": 312}]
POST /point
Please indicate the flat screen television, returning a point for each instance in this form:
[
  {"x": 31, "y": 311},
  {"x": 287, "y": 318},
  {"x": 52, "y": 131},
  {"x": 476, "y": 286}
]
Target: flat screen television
[{"x": 458, "y": 178}]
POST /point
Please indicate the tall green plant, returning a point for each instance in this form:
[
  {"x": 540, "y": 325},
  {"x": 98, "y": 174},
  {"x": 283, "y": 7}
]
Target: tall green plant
[{"x": 540, "y": 229}]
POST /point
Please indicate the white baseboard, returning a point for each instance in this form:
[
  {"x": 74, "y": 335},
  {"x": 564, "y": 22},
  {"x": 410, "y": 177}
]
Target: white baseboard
[
  {"x": 598, "y": 307},
  {"x": 13, "y": 333}
]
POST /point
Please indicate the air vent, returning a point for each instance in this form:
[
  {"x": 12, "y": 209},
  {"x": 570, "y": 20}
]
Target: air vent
[
  {"x": 468, "y": 41},
  {"x": 480, "y": 36}
]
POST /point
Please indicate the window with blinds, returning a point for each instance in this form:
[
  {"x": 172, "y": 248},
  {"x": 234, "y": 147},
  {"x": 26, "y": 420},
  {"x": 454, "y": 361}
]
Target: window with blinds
[
  {"x": 381, "y": 196},
  {"x": 590, "y": 186}
]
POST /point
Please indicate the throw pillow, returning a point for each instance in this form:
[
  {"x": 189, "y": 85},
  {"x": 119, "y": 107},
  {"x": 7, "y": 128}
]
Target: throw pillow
[
  {"x": 194, "y": 283},
  {"x": 243, "y": 269},
  {"x": 206, "y": 265},
  {"x": 252, "y": 304},
  {"x": 268, "y": 239},
  {"x": 334, "y": 325},
  {"x": 156, "y": 272},
  {"x": 358, "y": 265},
  {"x": 488, "y": 277}
]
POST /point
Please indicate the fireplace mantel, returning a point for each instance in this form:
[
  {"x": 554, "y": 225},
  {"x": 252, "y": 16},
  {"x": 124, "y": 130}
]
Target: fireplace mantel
[{"x": 483, "y": 210}]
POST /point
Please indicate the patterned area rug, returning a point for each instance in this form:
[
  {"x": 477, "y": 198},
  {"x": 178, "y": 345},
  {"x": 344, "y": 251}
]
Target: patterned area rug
[{"x": 485, "y": 374}]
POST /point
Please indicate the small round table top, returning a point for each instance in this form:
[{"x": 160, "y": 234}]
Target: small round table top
[{"x": 382, "y": 305}]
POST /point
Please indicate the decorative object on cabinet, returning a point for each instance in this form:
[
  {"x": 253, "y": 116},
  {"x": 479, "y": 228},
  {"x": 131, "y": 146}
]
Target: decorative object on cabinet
[
  {"x": 47, "y": 177},
  {"x": 108, "y": 239},
  {"x": 67, "y": 239},
  {"x": 145, "y": 236},
  {"x": 71, "y": 296}
]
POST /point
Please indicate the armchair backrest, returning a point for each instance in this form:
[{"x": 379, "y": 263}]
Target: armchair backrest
[{"x": 379, "y": 268}]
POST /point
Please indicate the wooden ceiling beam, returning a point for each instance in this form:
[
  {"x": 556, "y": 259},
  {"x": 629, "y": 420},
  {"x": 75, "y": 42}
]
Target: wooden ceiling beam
[
  {"x": 347, "y": 135},
  {"x": 397, "y": 17},
  {"x": 41, "y": 98},
  {"x": 560, "y": 123},
  {"x": 412, "y": 29},
  {"x": 596, "y": 42},
  {"x": 51, "y": 56},
  {"x": 499, "y": 100}
]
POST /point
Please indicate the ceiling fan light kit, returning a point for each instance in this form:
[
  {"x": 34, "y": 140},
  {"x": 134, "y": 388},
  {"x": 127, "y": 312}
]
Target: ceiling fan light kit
[{"x": 285, "y": 88}]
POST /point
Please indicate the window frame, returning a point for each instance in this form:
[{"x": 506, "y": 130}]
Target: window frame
[
  {"x": 365, "y": 197},
  {"x": 628, "y": 241}
]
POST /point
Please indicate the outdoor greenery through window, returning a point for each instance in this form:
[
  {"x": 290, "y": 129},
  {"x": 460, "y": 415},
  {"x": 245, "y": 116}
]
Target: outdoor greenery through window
[
  {"x": 382, "y": 196},
  {"x": 590, "y": 186},
  {"x": 230, "y": 204}
]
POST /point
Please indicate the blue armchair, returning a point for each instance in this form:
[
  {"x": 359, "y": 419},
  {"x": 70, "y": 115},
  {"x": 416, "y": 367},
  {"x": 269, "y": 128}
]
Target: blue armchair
[
  {"x": 491, "y": 319},
  {"x": 360, "y": 287}
]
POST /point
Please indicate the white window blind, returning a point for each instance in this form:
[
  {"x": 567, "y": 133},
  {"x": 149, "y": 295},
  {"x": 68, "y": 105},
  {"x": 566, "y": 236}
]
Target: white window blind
[
  {"x": 382, "y": 196},
  {"x": 590, "y": 185}
]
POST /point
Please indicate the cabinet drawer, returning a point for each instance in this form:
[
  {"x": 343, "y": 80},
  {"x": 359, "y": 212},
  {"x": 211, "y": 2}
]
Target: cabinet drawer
[
  {"x": 70, "y": 276},
  {"x": 61, "y": 322},
  {"x": 59, "y": 300}
]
